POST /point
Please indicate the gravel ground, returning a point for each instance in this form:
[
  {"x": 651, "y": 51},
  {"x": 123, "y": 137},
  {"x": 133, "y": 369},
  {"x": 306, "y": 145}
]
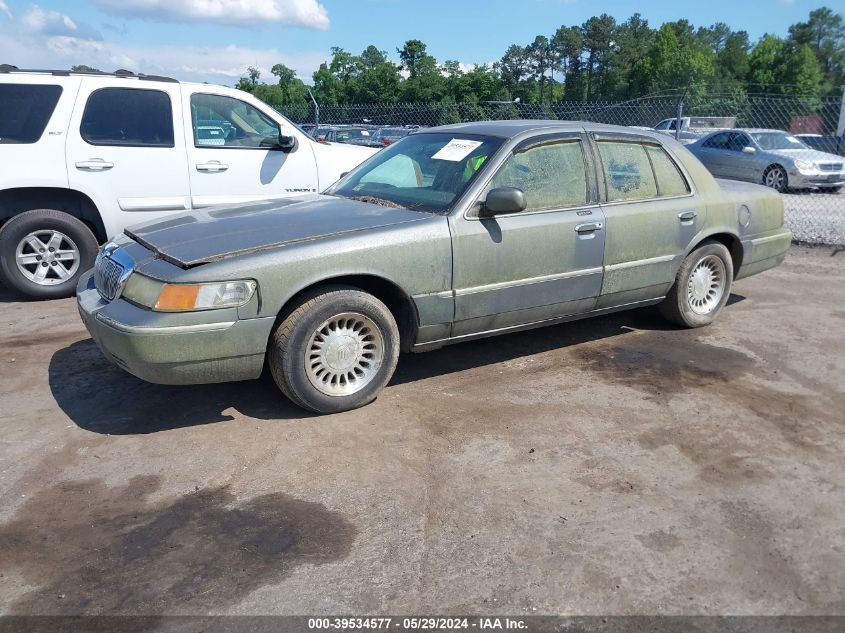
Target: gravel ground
[
  {"x": 610, "y": 466},
  {"x": 816, "y": 218}
]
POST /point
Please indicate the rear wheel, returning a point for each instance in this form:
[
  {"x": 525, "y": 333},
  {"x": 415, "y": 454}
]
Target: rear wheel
[
  {"x": 775, "y": 177},
  {"x": 43, "y": 253},
  {"x": 336, "y": 351},
  {"x": 702, "y": 286}
]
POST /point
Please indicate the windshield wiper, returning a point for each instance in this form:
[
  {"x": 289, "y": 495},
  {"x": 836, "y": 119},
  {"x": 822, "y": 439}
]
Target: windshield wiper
[{"x": 376, "y": 200}]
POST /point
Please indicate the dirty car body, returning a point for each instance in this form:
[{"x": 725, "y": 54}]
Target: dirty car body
[{"x": 450, "y": 234}]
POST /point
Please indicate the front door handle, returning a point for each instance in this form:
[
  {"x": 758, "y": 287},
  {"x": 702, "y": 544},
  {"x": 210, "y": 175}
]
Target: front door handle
[
  {"x": 588, "y": 227},
  {"x": 212, "y": 166},
  {"x": 94, "y": 164},
  {"x": 687, "y": 216}
]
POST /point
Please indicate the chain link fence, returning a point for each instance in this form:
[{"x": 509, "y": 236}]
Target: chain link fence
[{"x": 815, "y": 210}]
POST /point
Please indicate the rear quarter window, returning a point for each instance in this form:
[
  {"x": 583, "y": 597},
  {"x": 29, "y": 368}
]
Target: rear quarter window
[
  {"x": 25, "y": 110},
  {"x": 131, "y": 117},
  {"x": 670, "y": 180}
]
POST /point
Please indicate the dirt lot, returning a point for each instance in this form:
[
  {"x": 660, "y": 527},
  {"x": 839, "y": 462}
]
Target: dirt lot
[{"x": 607, "y": 466}]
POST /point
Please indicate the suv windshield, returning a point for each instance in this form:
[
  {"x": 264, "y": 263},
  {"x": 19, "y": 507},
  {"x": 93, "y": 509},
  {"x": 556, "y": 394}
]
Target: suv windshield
[
  {"x": 777, "y": 140},
  {"x": 424, "y": 172}
]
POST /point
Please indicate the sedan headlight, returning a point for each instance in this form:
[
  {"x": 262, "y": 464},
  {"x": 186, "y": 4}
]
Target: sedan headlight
[
  {"x": 804, "y": 165},
  {"x": 165, "y": 297},
  {"x": 225, "y": 294}
]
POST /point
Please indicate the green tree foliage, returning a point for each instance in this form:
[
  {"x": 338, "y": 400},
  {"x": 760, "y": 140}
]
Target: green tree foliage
[{"x": 601, "y": 59}]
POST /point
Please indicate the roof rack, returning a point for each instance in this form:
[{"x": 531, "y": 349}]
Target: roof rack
[{"x": 8, "y": 69}]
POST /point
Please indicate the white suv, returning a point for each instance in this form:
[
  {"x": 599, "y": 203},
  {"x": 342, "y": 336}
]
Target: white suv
[{"x": 83, "y": 155}]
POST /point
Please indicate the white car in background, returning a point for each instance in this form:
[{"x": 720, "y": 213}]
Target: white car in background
[{"x": 84, "y": 155}]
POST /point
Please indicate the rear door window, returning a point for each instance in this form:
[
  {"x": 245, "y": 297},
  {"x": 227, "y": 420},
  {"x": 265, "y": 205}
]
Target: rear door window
[
  {"x": 25, "y": 110},
  {"x": 627, "y": 169},
  {"x": 129, "y": 117}
]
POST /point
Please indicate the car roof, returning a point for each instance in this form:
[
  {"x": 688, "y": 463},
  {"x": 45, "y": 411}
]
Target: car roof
[{"x": 512, "y": 128}]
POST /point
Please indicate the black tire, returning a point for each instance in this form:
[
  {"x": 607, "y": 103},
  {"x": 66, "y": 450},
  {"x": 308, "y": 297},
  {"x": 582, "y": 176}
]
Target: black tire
[
  {"x": 677, "y": 307},
  {"x": 781, "y": 184},
  {"x": 291, "y": 347},
  {"x": 44, "y": 222}
]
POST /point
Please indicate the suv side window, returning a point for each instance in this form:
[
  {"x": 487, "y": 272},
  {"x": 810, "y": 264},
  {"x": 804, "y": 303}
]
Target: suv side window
[
  {"x": 228, "y": 122},
  {"x": 627, "y": 169},
  {"x": 25, "y": 110},
  {"x": 553, "y": 175},
  {"x": 670, "y": 180},
  {"x": 131, "y": 117}
]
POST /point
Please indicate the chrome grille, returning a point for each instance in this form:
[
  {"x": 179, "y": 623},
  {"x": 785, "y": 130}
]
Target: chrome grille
[
  {"x": 108, "y": 276},
  {"x": 830, "y": 166}
]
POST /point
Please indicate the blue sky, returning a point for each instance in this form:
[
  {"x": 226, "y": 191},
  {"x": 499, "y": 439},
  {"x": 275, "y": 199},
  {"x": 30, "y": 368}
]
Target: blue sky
[{"x": 214, "y": 40}]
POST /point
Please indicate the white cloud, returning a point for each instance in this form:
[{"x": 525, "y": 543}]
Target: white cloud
[
  {"x": 53, "y": 23},
  {"x": 4, "y": 9},
  {"x": 223, "y": 64},
  {"x": 64, "y": 43},
  {"x": 307, "y": 13}
]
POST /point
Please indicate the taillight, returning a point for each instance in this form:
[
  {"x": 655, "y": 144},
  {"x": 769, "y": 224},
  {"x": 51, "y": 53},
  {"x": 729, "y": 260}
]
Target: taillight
[{"x": 385, "y": 141}]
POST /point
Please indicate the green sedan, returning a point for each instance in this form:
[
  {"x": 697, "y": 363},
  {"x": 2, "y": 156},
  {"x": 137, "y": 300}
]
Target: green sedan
[{"x": 451, "y": 234}]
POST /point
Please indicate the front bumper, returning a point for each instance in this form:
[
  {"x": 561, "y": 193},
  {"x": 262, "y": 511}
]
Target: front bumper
[
  {"x": 174, "y": 348},
  {"x": 764, "y": 251},
  {"x": 818, "y": 179}
]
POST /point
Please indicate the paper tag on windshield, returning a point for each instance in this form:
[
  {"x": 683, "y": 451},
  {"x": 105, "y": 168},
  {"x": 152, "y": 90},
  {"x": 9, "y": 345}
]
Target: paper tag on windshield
[{"x": 456, "y": 149}]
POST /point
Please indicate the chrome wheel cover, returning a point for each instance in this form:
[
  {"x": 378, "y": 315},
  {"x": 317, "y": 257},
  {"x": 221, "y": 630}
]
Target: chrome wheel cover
[
  {"x": 706, "y": 285},
  {"x": 344, "y": 354},
  {"x": 775, "y": 178},
  {"x": 47, "y": 257}
]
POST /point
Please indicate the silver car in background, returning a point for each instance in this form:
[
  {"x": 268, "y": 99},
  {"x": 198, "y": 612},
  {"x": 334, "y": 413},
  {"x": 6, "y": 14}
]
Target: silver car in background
[{"x": 772, "y": 157}]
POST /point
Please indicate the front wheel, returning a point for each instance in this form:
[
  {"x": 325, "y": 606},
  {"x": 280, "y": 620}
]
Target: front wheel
[
  {"x": 775, "y": 177},
  {"x": 336, "y": 351},
  {"x": 43, "y": 253},
  {"x": 702, "y": 286}
]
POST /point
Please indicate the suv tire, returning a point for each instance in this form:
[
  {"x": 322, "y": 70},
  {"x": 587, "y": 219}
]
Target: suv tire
[
  {"x": 44, "y": 252},
  {"x": 335, "y": 351}
]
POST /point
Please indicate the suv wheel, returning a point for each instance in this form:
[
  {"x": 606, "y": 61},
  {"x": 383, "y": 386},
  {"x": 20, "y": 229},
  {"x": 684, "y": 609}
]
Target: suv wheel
[
  {"x": 336, "y": 351},
  {"x": 44, "y": 252},
  {"x": 702, "y": 286}
]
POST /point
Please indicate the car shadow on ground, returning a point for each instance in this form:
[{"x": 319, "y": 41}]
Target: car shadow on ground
[{"x": 99, "y": 397}]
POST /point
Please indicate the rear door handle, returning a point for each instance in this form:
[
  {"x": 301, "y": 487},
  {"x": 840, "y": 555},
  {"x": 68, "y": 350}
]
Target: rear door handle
[
  {"x": 213, "y": 166},
  {"x": 588, "y": 227},
  {"x": 94, "y": 164},
  {"x": 687, "y": 216}
]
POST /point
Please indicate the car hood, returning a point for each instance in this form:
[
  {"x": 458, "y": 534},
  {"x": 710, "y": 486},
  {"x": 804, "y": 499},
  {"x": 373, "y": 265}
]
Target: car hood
[
  {"x": 205, "y": 236},
  {"x": 806, "y": 154}
]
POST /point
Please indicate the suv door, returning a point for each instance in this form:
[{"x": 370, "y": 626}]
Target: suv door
[
  {"x": 125, "y": 150},
  {"x": 232, "y": 152},
  {"x": 652, "y": 215},
  {"x": 541, "y": 263}
]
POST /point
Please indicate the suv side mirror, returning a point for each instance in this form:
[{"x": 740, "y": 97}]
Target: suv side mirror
[
  {"x": 287, "y": 144},
  {"x": 503, "y": 200},
  {"x": 748, "y": 150}
]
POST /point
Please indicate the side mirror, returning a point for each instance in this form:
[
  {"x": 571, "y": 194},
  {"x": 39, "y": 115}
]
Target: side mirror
[
  {"x": 287, "y": 144},
  {"x": 748, "y": 150},
  {"x": 503, "y": 200}
]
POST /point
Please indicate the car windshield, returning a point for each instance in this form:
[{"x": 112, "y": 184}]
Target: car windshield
[
  {"x": 343, "y": 135},
  {"x": 777, "y": 140},
  {"x": 424, "y": 172},
  {"x": 393, "y": 131}
]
